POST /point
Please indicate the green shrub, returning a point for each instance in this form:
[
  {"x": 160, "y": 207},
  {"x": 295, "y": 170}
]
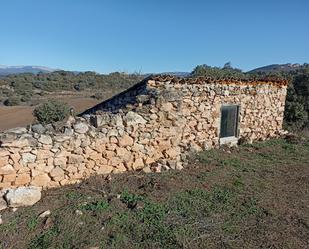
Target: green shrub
[
  {"x": 11, "y": 101},
  {"x": 295, "y": 114},
  {"x": 96, "y": 206},
  {"x": 51, "y": 111},
  {"x": 26, "y": 97}
]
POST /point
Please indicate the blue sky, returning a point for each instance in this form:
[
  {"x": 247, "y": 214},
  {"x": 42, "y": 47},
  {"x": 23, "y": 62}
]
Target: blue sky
[{"x": 152, "y": 35}]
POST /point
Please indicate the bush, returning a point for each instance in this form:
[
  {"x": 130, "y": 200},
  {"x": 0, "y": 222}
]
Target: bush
[
  {"x": 26, "y": 97},
  {"x": 51, "y": 111},
  {"x": 295, "y": 115},
  {"x": 11, "y": 101}
]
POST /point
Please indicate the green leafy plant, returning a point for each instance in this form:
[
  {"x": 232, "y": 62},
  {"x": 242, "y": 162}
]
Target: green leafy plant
[
  {"x": 130, "y": 199},
  {"x": 96, "y": 206},
  {"x": 51, "y": 111}
]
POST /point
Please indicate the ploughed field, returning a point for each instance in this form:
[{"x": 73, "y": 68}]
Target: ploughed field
[
  {"x": 21, "y": 116},
  {"x": 252, "y": 196}
]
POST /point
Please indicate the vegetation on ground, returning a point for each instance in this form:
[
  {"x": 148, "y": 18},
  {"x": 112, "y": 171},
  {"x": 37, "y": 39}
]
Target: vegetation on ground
[
  {"x": 27, "y": 85},
  {"x": 252, "y": 196},
  {"x": 51, "y": 111}
]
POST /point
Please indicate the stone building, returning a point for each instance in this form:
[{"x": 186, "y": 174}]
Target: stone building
[
  {"x": 150, "y": 127},
  {"x": 217, "y": 111}
]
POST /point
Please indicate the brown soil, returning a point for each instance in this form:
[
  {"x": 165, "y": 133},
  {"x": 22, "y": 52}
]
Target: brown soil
[{"x": 21, "y": 116}]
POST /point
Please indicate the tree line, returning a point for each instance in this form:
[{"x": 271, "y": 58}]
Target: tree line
[{"x": 20, "y": 88}]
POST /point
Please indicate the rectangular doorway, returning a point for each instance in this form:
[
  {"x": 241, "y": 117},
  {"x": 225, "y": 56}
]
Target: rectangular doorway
[{"x": 229, "y": 122}]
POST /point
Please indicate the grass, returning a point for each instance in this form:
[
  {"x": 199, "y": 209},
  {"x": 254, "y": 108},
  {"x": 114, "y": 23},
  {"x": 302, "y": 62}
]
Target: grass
[{"x": 253, "y": 196}]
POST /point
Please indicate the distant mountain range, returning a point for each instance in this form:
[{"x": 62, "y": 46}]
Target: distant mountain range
[
  {"x": 277, "y": 68},
  {"x": 6, "y": 70}
]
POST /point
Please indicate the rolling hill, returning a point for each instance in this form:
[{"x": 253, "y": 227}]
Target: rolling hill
[
  {"x": 7, "y": 70},
  {"x": 277, "y": 68}
]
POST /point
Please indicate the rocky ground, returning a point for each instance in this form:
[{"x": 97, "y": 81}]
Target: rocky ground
[{"x": 253, "y": 196}]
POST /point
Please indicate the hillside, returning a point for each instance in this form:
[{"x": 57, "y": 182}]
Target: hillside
[
  {"x": 28, "y": 88},
  {"x": 278, "y": 68},
  {"x": 7, "y": 70}
]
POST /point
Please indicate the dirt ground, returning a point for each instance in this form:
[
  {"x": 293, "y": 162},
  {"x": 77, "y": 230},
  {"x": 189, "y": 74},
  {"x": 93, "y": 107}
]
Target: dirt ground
[
  {"x": 253, "y": 196},
  {"x": 20, "y": 116}
]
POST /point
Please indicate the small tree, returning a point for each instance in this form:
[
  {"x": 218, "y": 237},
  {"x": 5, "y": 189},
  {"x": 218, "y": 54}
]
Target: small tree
[{"x": 51, "y": 111}]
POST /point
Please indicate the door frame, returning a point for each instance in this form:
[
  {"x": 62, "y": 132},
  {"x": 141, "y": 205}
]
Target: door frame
[{"x": 231, "y": 139}]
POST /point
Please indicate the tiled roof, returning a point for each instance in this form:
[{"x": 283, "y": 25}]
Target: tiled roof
[{"x": 210, "y": 80}]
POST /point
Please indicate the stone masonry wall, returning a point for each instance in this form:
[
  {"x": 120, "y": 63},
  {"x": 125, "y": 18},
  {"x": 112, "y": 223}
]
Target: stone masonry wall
[{"x": 151, "y": 135}]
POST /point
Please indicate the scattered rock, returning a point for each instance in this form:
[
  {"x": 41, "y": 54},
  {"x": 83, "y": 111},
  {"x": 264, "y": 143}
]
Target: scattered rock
[
  {"x": 48, "y": 223},
  {"x": 45, "y": 214},
  {"x": 179, "y": 166},
  {"x": 78, "y": 212},
  {"x": 23, "y": 196}
]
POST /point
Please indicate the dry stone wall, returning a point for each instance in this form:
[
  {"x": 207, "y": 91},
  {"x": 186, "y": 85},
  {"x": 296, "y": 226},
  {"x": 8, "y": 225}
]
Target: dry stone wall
[{"x": 167, "y": 120}]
